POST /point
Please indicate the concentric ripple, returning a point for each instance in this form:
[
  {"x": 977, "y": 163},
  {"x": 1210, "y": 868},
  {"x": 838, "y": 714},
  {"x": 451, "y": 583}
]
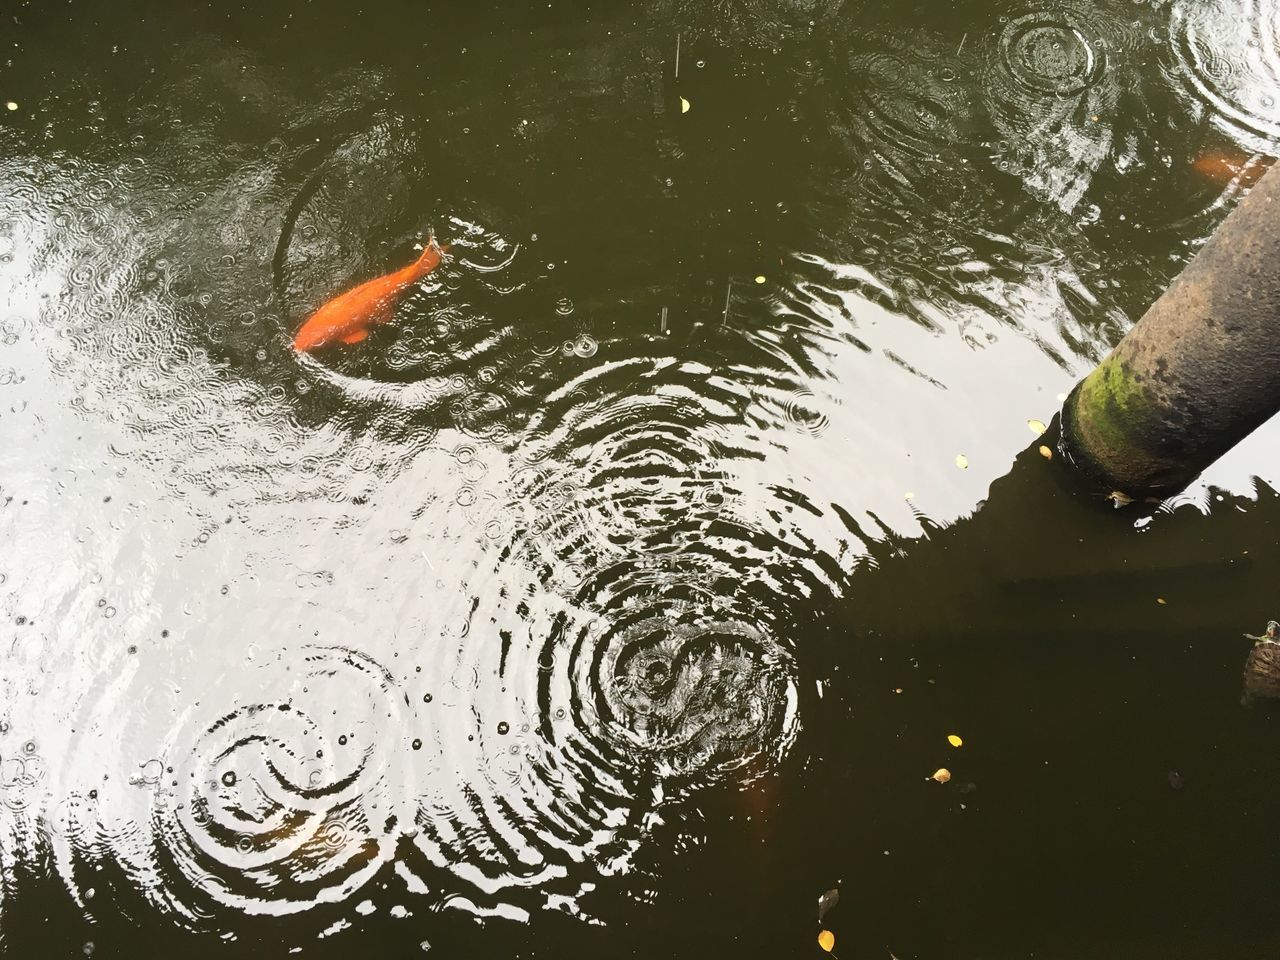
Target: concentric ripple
[
  {"x": 278, "y": 808},
  {"x": 264, "y": 806},
  {"x": 1048, "y": 54},
  {"x": 1052, "y": 84},
  {"x": 636, "y": 644},
  {"x": 647, "y": 472},
  {"x": 685, "y": 697},
  {"x": 1228, "y": 54}
]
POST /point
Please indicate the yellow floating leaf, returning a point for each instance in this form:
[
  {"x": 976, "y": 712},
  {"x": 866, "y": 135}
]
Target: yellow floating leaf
[
  {"x": 1162, "y": 601},
  {"x": 954, "y": 740},
  {"x": 684, "y": 105},
  {"x": 1046, "y": 452},
  {"x": 827, "y": 940},
  {"x": 941, "y": 775},
  {"x": 962, "y": 461},
  {"x": 760, "y": 279},
  {"x": 1037, "y": 426}
]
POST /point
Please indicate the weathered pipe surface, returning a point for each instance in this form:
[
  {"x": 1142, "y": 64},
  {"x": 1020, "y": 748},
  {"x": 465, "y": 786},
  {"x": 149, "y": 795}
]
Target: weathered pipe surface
[{"x": 1199, "y": 371}]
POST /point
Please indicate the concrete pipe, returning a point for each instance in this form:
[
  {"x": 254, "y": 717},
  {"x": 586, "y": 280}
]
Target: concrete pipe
[{"x": 1198, "y": 372}]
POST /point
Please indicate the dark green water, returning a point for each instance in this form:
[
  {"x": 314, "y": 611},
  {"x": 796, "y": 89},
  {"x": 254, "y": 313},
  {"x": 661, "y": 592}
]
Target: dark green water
[{"x": 618, "y": 597}]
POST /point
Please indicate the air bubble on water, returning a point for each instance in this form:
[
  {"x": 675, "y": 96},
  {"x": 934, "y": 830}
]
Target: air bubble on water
[
  {"x": 503, "y": 727},
  {"x": 229, "y": 778}
]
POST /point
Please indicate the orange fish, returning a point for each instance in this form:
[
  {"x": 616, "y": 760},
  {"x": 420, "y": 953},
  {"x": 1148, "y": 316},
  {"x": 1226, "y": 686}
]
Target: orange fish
[
  {"x": 1223, "y": 167},
  {"x": 347, "y": 318}
]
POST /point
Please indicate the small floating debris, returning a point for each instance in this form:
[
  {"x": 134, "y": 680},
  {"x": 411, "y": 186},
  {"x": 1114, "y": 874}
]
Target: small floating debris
[
  {"x": 962, "y": 461},
  {"x": 1046, "y": 452},
  {"x": 10, "y": 106},
  {"x": 1262, "y": 668},
  {"x": 684, "y": 105},
  {"x": 1037, "y": 426},
  {"x": 1162, "y": 601},
  {"x": 826, "y": 902},
  {"x": 954, "y": 740},
  {"x": 827, "y": 940},
  {"x": 760, "y": 278},
  {"x": 941, "y": 775}
]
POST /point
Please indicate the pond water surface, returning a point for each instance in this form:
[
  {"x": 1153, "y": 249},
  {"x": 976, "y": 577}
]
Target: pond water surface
[{"x": 619, "y": 596}]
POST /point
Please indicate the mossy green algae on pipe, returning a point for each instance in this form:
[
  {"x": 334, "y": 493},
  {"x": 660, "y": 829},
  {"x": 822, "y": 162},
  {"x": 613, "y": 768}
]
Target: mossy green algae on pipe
[{"x": 1198, "y": 373}]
